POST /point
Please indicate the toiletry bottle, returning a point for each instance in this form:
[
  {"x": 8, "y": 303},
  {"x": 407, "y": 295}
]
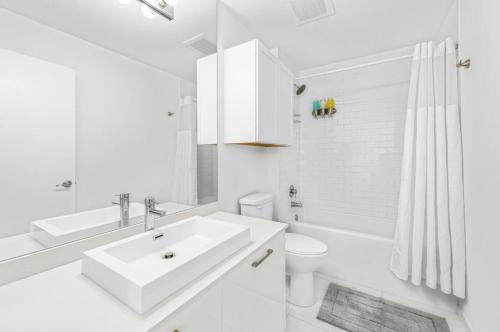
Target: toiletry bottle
[
  {"x": 315, "y": 108},
  {"x": 322, "y": 111}
]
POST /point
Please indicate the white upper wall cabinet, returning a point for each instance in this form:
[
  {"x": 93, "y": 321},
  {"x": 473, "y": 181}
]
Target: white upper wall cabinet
[
  {"x": 207, "y": 99},
  {"x": 258, "y": 97}
]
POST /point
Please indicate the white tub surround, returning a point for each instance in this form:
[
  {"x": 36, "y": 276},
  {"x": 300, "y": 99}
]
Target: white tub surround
[{"x": 63, "y": 299}]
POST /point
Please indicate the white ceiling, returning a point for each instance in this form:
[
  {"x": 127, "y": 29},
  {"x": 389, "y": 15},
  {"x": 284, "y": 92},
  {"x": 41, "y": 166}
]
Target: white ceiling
[
  {"x": 359, "y": 27},
  {"x": 123, "y": 28}
]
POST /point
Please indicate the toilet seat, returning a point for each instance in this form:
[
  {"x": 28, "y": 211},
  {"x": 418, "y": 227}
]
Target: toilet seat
[{"x": 299, "y": 244}]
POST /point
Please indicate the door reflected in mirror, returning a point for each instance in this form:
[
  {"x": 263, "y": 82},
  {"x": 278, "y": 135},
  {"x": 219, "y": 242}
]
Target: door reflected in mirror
[{"x": 96, "y": 117}]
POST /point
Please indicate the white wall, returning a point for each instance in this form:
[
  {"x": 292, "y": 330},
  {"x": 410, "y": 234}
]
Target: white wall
[
  {"x": 479, "y": 27},
  {"x": 449, "y": 27},
  {"x": 125, "y": 140},
  {"x": 242, "y": 169}
]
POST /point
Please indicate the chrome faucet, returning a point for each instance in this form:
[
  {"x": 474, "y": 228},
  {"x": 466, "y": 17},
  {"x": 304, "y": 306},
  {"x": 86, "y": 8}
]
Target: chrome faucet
[
  {"x": 124, "y": 208},
  {"x": 296, "y": 204},
  {"x": 149, "y": 220}
]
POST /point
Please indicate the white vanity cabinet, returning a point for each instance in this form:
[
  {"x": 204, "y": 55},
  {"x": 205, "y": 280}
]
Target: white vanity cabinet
[
  {"x": 258, "y": 97},
  {"x": 203, "y": 314},
  {"x": 206, "y": 92},
  {"x": 249, "y": 298},
  {"x": 254, "y": 297}
]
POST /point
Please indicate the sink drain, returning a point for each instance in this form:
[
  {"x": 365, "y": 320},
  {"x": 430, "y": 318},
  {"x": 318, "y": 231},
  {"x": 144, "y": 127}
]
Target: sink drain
[{"x": 168, "y": 255}]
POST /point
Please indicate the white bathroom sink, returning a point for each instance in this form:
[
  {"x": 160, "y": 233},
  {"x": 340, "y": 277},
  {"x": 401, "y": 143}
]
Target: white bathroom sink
[
  {"x": 144, "y": 269},
  {"x": 59, "y": 230}
]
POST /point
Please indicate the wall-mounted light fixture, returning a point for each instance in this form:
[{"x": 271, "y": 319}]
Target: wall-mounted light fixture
[
  {"x": 162, "y": 7},
  {"x": 152, "y": 8}
]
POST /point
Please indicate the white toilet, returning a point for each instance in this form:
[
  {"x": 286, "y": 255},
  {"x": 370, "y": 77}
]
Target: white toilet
[{"x": 304, "y": 254}]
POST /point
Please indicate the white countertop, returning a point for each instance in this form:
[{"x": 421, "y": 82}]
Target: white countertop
[{"x": 62, "y": 299}]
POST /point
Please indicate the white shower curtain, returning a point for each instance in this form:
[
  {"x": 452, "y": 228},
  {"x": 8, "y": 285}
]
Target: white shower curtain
[
  {"x": 184, "y": 181},
  {"x": 184, "y": 184},
  {"x": 430, "y": 231}
]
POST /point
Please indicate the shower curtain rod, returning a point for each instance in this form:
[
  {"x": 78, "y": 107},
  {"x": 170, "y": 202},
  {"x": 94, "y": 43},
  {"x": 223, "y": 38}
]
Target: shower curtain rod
[{"x": 368, "y": 64}]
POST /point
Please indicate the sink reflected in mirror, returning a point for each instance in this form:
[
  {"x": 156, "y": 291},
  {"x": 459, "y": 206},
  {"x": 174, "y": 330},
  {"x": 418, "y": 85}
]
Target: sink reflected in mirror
[{"x": 56, "y": 231}]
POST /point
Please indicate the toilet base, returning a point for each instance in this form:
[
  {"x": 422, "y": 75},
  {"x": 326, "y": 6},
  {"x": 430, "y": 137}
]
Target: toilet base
[{"x": 301, "y": 289}]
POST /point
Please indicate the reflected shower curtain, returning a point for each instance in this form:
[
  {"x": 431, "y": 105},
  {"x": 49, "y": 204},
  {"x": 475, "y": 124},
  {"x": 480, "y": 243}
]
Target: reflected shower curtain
[
  {"x": 430, "y": 231},
  {"x": 184, "y": 184}
]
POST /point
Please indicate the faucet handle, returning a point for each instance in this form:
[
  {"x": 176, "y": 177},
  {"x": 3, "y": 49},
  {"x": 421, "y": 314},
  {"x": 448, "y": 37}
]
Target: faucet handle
[
  {"x": 124, "y": 196},
  {"x": 150, "y": 201}
]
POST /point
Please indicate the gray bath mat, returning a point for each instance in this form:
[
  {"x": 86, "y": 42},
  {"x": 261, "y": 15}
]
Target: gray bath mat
[{"x": 354, "y": 311}]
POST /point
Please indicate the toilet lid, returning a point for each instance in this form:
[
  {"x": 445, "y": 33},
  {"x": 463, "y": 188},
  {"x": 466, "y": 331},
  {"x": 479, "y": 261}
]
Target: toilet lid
[{"x": 304, "y": 245}]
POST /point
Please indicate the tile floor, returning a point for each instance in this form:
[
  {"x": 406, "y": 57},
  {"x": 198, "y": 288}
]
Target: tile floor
[{"x": 304, "y": 319}]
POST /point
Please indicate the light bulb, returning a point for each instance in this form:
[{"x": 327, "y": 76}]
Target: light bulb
[
  {"x": 124, "y": 2},
  {"x": 148, "y": 12}
]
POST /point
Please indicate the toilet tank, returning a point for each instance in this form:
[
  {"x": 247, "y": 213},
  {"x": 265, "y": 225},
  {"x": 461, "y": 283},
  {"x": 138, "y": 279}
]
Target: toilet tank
[{"x": 258, "y": 205}]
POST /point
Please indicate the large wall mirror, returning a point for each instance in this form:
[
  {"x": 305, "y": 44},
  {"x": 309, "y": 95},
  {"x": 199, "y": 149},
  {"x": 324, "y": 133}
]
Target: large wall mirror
[{"x": 99, "y": 98}]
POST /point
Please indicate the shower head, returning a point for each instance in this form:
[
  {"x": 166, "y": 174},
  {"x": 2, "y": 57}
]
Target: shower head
[{"x": 300, "y": 89}]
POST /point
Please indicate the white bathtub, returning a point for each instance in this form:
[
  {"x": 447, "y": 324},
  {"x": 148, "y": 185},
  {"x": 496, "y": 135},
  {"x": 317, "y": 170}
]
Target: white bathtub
[{"x": 363, "y": 260}]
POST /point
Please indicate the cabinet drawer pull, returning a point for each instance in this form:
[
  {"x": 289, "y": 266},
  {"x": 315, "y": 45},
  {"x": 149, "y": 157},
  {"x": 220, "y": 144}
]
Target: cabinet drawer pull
[{"x": 268, "y": 253}]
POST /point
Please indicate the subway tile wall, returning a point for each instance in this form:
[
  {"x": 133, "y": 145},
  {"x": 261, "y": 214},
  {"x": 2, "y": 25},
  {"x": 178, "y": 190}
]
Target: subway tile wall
[
  {"x": 207, "y": 173},
  {"x": 289, "y": 174},
  {"x": 347, "y": 167}
]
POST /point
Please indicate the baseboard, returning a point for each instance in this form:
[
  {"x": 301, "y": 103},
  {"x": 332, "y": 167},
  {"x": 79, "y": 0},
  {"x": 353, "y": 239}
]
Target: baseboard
[{"x": 467, "y": 322}]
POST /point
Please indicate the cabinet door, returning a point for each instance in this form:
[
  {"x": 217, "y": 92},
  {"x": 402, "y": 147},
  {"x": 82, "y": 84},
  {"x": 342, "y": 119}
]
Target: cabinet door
[
  {"x": 240, "y": 93},
  {"x": 285, "y": 105},
  {"x": 267, "y": 82},
  {"x": 206, "y": 85},
  {"x": 204, "y": 314},
  {"x": 254, "y": 298}
]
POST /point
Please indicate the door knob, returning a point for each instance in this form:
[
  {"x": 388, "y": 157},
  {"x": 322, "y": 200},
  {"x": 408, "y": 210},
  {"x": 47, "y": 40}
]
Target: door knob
[{"x": 66, "y": 184}]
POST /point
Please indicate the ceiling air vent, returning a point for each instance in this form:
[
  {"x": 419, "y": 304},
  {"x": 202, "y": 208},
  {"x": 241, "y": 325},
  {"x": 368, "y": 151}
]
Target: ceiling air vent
[
  {"x": 201, "y": 44},
  {"x": 307, "y": 11}
]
